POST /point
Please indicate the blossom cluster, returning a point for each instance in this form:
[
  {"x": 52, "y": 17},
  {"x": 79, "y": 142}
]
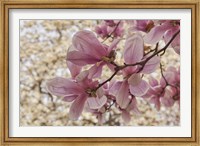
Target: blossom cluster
[{"x": 86, "y": 90}]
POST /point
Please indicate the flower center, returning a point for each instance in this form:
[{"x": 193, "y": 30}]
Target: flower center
[
  {"x": 91, "y": 92},
  {"x": 110, "y": 57}
]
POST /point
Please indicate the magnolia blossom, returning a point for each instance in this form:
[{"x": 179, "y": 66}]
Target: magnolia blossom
[
  {"x": 87, "y": 56},
  {"x": 110, "y": 27},
  {"x": 166, "y": 29},
  {"x": 133, "y": 83},
  {"x": 165, "y": 93},
  {"x": 88, "y": 50},
  {"x": 172, "y": 75},
  {"x": 79, "y": 91},
  {"x": 132, "y": 106},
  {"x": 141, "y": 25}
]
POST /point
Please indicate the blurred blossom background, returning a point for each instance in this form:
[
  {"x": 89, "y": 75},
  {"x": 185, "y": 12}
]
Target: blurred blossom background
[{"x": 43, "y": 49}]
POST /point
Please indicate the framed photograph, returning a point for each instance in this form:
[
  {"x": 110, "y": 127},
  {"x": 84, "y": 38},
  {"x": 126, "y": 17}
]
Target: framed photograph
[{"x": 103, "y": 73}]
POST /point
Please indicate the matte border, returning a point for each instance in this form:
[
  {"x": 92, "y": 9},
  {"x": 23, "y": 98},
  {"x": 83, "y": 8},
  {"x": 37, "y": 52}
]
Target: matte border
[{"x": 116, "y": 4}]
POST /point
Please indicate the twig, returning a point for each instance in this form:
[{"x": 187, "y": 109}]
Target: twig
[{"x": 112, "y": 32}]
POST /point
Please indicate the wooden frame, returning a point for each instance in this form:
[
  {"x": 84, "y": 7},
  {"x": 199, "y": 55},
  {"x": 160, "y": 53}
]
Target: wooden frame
[{"x": 4, "y": 118}]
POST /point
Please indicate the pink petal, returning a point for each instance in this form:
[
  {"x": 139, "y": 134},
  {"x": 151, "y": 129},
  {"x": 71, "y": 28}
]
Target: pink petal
[
  {"x": 96, "y": 103},
  {"x": 156, "y": 34},
  {"x": 134, "y": 47},
  {"x": 74, "y": 69},
  {"x": 122, "y": 95},
  {"x": 95, "y": 71},
  {"x": 167, "y": 102},
  {"x": 82, "y": 76},
  {"x": 156, "y": 102},
  {"x": 77, "y": 107},
  {"x": 140, "y": 89},
  {"x": 61, "y": 86},
  {"x": 126, "y": 116},
  {"x": 152, "y": 81},
  {"x": 70, "y": 98},
  {"x": 114, "y": 88},
  {"x": 85, "y": 41},
  {"x": 101, "y": 118},
  {"x": 172, "y": 69},
  {"x": 170, "y": 77},
  {"x": 167, "y": 99},
  {"x": 113, "y": 45},
  {"x": 133, "y": 106},
  {"x": 134, "y": 79},
  {"x": 80, "y": 58},
  {"x": 176, "y": 42},
  {"x": 151, "y": 65},
  {"x": 100, "y": 92}
]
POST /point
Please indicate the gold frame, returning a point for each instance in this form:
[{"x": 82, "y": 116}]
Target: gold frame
[{"x": 180, "y": 4}]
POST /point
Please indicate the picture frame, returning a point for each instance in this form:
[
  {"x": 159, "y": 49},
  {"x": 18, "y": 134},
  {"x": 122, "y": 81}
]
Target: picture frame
[{"x": 6, "y": 5}]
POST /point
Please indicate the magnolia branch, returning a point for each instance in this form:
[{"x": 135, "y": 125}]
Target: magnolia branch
[
  {"x": 141, "y": 63},
  {"x": 112, "y": 32}
]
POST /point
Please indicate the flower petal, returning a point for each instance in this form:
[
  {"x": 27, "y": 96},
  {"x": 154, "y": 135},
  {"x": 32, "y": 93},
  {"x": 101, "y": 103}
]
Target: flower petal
[
  {"x": 95, "y": 71},
  {"x": 82, "y": 76},
  {"x": 122, "y": 95},
  {"x": 80, "y": 58},
  {"x": 170, "y": 77},
  {"x": 74, "y": 69},
  {"x": 176, "y": 42},
  {"x": 156, "y": 34},
  {"x": 114, "y": 87},
  {"x": 96, "y": 103},
  {"x": 60, "y": 87},
  {"x": 151, "y": 65},
  {"x": 140, "y": 89},
  {"x": 134, "y": 79},
  {"x": 70, "y": 98},
  {"x": 85, "y": 41},
  {"x": 126, "y": 116},
  {"x": 77, "y": 107},
  {"x": 134, "y": 48},
  {"x": 133, "y": 105},
  {"x": 100, "y": 92},
  {"x": 156, "y": 101},
  {"x": 153, "y": 82},
  {"x": 113, "y": 45}
]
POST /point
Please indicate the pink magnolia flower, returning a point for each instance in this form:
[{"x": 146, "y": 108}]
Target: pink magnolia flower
[
  {"x": 110, "y": 27},
  {"x": 172, "y": 75},
  {"x": 132, "y": 106},
  {"x": 87, "y": 49},
  {"x": 79, "y": 91},
  {"x": 164, "y": 93},
  {"x": 133, "y": 83},
  {"x": 166, "y": 29},
  {"x": 155, "y": 92},
  {"x": 142, "y": 25},
  {"x": 99, "y": 113}
]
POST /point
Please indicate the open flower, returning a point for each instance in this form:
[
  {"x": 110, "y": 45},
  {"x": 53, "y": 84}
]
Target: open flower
[
  {"x": 166, "y": 29},
  {"x": 88, "y": 50},
  {"x": 131, "y": 107},
  {"x": 165, "y": 93},
  {"x": 141, "y": 25},
  {"x": 172, "y": 75},
  {"x": 155, "y": 92},
  {"x": 133, "y": 83},
  {"x": 79, "y": 91},
  {"x": 110, "y": 27}
]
